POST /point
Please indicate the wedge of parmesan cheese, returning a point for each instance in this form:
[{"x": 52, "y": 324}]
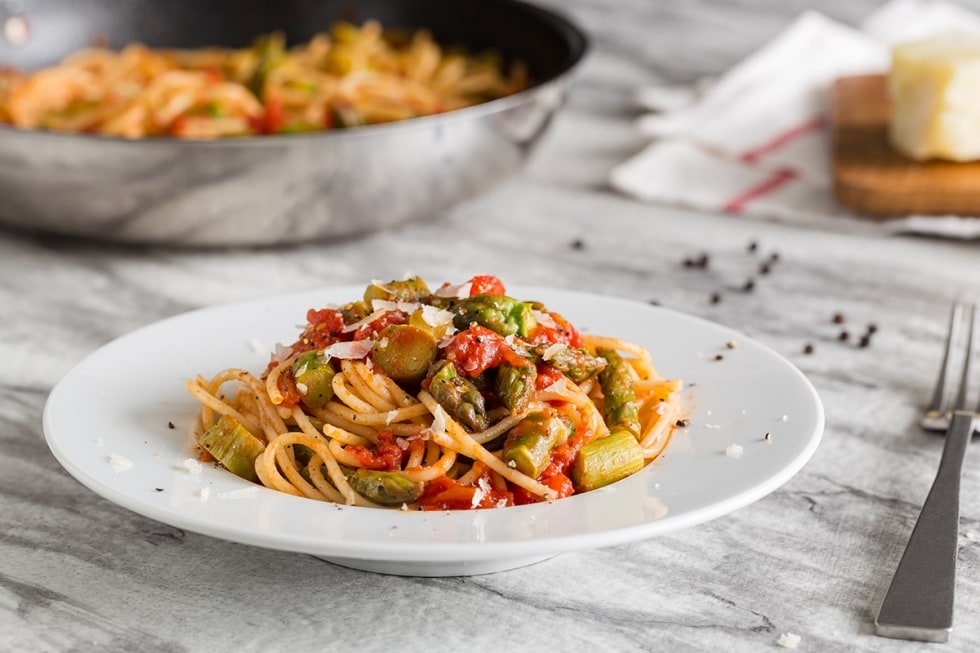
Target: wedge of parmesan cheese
[{"x": 934, "y": 88}]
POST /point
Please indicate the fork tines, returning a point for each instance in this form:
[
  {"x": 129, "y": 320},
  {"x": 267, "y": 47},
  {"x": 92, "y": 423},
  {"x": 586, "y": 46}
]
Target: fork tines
[{"x": 940, "y": 408}]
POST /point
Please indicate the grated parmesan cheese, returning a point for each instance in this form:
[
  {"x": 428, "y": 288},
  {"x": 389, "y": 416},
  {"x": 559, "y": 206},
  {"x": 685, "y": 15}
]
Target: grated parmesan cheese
[
  {"x": 439, "y": 421},
  {"x": 192, "y": 466},
  {"x": 436, "y": 317},
  {"x": 205, "y": 493},
  {"x": 552, "y": 351},
  {"x": 256, "y": 346},
  {"x": 545, "y": 319},
  {"x": 302, "y": 388},
  {"x": 280, "y": 353},
  {"x": 482, "y": 490},
  {"x": 366, "y": 320},
  {"x": 462, "y": 291},
  {"x": 734, "y": 451},
  {"x": 789, "y": 640},
  {"x": 557, "y": 386},
  {"x": 120, "y": 463},
  {"x": 240, "y": 493},
  {"x": 346, "y": 350},
  {"x": 386, "y": 305}
]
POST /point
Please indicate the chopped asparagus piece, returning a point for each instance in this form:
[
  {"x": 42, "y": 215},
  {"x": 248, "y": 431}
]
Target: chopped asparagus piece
[
  {"x": 461, "y": 399},
  {"x": 515, "y": 385},
  {"x": 405, "y": 352},
  {"x": 504, "y": 315},
  {"x": 386, "y": 488},
  {"x": 529, "y": 443},
  {"x": 403, "y": 290},
  {"x": 270, "y": 50},
  {"x": 606, "y": 461},
  {"x": 574, "y": 362},
  {"x": 620, "y": 409},
  {"x": 355, "y": 311},
  {"x": 233, "y": 446},
  {"x": 314, "y": 376}
]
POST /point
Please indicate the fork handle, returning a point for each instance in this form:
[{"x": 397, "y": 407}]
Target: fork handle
[{"x": 919, "y": 601}]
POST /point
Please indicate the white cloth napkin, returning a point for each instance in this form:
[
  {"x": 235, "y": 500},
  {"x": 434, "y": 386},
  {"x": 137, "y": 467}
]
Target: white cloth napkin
[{"x": 754, "y": 142}]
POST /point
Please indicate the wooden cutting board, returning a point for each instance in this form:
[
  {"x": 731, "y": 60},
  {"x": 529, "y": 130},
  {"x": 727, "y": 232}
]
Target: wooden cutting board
[{"x": 873, "y": 178}]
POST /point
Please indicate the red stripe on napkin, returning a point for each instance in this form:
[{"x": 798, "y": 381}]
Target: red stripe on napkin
[
  {"x": 738, "y": 203},
  {"x": 782, "y": 140}
]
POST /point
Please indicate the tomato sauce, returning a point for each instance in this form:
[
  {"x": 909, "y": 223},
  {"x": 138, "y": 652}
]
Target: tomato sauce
[
  {"x": 563, "y": 331},
  {"x": 287, "y": 386},
  {"x": 478, "y": 349},
  {"x": 547, "y": 375},
  {"x": 325, "y": 327},
  {"x": 372, "y": 328},
  {"x": 275, "y": 117},
  {"x": 444, "y": 493},
  {"x": 555, "y": 475},
  {"x": 384, "y": 456}
]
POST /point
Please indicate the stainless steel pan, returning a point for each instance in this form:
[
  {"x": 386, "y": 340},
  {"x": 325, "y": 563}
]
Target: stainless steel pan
[{"x": 273, "y": 189}]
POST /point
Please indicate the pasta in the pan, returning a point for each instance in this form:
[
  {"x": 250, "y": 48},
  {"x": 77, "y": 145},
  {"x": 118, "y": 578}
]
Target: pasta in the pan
[{"x": 349, "y": 76}]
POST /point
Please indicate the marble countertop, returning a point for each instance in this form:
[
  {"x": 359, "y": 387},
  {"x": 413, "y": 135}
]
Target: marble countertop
[{"x": 814, "y": 558}]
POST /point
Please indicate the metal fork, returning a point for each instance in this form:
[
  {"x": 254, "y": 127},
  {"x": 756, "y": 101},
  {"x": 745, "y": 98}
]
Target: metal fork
[{"x": 919, "y": 601}]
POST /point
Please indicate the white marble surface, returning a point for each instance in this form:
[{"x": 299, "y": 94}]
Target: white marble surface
[{"x": 79, "y": 573}]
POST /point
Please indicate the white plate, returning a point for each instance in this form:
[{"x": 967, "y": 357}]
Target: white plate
[{"x": 120, "y": 399}]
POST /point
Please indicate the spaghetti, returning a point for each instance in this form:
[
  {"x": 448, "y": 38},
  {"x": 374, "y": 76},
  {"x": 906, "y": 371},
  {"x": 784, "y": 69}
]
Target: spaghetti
[
  {"x": 349, "y": 76},
  {"x": 459, "y": 398}
]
